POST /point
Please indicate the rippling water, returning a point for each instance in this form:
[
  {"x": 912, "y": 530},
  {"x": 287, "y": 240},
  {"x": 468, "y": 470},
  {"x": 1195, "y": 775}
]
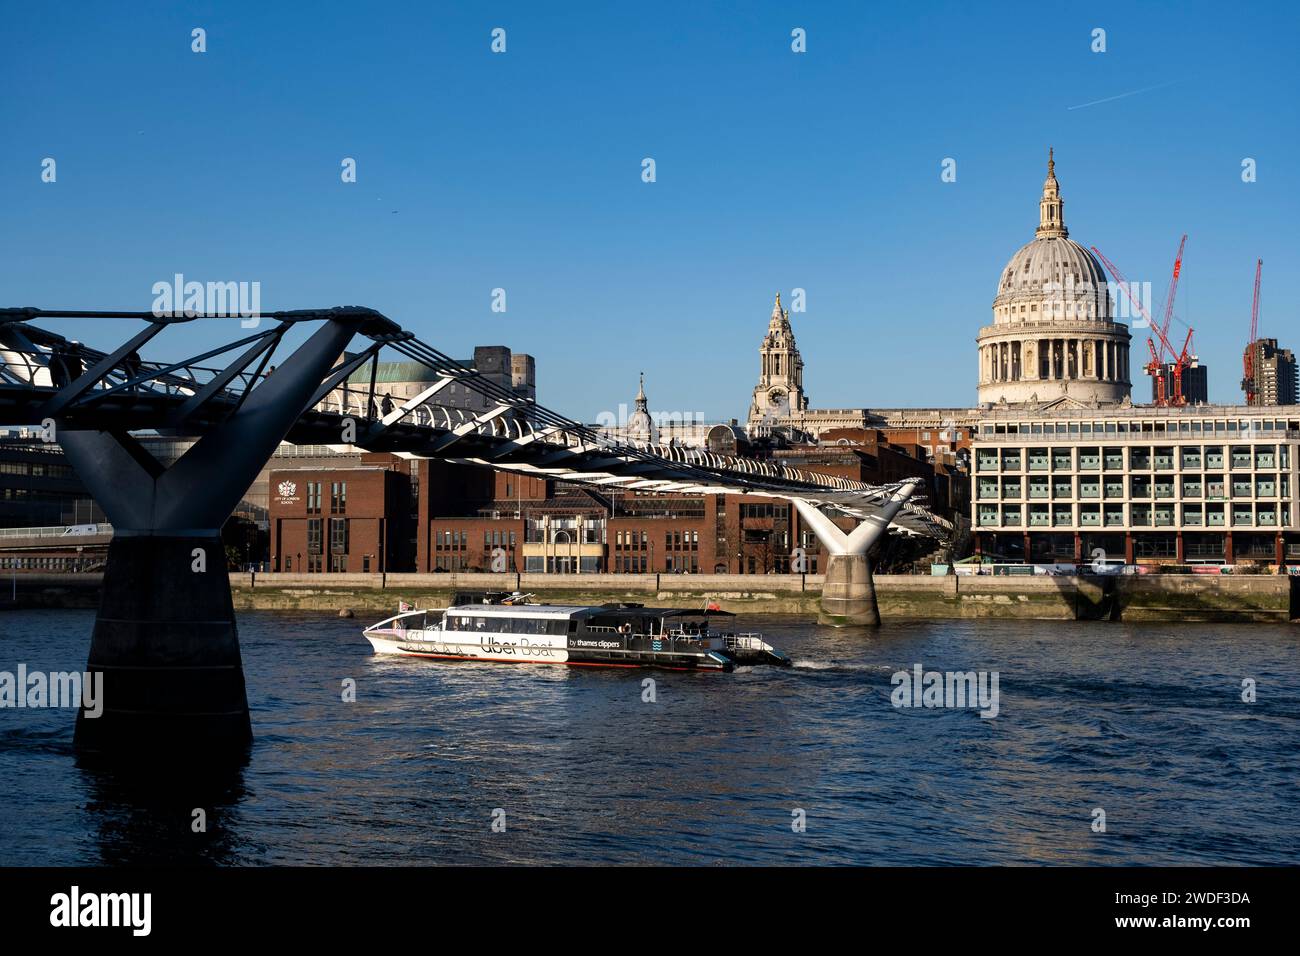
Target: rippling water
[{"x": 1145, "y": 722}]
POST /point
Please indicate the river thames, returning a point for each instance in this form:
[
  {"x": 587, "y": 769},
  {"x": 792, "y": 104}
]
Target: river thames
[{"x": 1145, "y": 723}]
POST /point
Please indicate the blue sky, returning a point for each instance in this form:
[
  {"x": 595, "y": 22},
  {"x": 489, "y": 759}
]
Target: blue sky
[{"x": 775, "y": 170}]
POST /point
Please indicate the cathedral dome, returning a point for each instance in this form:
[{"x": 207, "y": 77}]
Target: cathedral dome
[
  {"x": 1053, "y": 333},
  {"x": 1052, "y": 279}
]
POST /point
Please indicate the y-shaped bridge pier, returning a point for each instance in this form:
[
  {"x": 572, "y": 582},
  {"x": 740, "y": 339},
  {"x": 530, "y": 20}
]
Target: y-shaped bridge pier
[{"x": 849, "y": 591}]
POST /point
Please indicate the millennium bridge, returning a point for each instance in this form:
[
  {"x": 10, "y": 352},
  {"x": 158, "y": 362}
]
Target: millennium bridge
[{"x": 165, "y": 630}]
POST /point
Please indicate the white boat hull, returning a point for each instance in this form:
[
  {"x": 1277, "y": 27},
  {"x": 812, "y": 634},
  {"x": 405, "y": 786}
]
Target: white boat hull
[
  {"x": 478, "y": 646},
  {"x": 576, "y": 635}
]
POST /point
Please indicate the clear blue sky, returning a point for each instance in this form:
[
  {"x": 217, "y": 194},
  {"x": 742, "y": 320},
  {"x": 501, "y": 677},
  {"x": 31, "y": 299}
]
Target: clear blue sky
[{"x": 775, "y": 170}]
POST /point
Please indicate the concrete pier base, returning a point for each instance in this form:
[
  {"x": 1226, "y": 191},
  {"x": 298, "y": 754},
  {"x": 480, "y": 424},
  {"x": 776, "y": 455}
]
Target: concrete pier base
[
  {"x": 849, "y": 593},
  {"x": 166, "y": 644}
]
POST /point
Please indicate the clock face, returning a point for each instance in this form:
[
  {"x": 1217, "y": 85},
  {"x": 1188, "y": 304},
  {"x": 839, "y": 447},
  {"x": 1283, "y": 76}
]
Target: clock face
[{"x": 776, "y": 396}]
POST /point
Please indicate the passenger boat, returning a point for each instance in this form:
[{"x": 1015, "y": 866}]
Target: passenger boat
[{"x": 509, "y": 628}]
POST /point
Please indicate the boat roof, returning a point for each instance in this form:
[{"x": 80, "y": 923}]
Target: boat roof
[
  {"x": 635, "y": 610},
  {"x": 518, "y": 610},
  {"x": 629, "y": 611}
]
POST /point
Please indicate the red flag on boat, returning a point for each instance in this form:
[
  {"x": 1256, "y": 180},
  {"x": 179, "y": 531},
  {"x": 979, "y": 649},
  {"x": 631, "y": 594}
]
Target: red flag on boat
[
  {"x": 713, "y": 606},
  {"x": 403, "y": 607}
]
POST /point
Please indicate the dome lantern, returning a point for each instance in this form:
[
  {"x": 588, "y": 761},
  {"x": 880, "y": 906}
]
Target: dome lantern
[{"x": 1051, "y": 208}]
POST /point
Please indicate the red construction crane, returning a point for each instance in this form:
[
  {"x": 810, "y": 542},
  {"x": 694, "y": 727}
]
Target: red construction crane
[
  {"x": 1248, "y": 357},
  {"x": 1173, "y": 288},
  {"x": 1180, "y": 360}
]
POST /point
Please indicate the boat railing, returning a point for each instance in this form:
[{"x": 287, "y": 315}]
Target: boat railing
[
  {"x": 679, "y": 633},
  {"x": 417, "y": 619},
  {"x": 751, "y": 642}
]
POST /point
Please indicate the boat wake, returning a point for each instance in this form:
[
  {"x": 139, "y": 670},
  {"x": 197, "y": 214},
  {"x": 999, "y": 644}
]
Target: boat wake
[{"x": 841, "y": 666}]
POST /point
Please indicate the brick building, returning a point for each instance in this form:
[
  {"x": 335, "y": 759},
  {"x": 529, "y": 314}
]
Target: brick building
[{"x": 341, "y": 519}]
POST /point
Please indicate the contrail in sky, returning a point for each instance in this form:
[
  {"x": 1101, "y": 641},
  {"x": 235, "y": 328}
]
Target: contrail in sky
[{"x": 1145, "y": 89}]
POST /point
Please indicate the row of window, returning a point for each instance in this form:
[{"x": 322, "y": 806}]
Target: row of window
[
  {"x": 1263, "y": 515},
  {"x": 562, "y": 536},
  {"x": 1139, "y": 458},
  {"x": 459, "y": 540},
  {"x": 338, "y": 535},
  {"x": 506, "y": 625},
  {"x": 35, "y": 469},
  {"x": 45, "y": 563},
  {"x": 563, "y": 564},
  {"x": 682, "y": 540},
  {"x": 631, "y": 540},
  {"x": 316, "y": 564},
  {"x": 673, "y": 541},
  {"x": 451, "y": 540},
  {"x": 1082, "y": 308},
  {"x": 338, "y": 497},
  {"x": 1209, "y": 486},
  {"x": 663, "y": 508},
  {"x": 764, "y": 510},
  {"x": 1189, "y": 427}
]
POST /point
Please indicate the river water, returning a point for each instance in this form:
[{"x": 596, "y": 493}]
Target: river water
[{"x": 1145, "y": 723}]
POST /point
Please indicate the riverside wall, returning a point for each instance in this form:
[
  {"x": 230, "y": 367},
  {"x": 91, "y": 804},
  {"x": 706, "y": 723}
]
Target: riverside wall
[{"x": 1153, "y": 597}]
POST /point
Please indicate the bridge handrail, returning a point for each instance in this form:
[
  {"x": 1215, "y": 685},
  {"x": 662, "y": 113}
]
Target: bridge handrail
[{"x": 58, "y": 531}]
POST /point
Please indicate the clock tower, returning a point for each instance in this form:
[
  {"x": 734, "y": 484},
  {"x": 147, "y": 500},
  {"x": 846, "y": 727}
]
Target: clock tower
[{"x": 779, "y": 393}]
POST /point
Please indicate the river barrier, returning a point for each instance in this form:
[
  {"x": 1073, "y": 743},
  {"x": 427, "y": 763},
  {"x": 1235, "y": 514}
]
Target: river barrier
[{"x": 1133, "y": 598}]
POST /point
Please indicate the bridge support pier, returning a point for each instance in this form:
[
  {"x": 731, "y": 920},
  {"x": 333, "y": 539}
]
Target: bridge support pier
[
  {"x": 849, "y": 591},
  {"x": 165, "y": 639},
  {"x": 166, "y": 644}
]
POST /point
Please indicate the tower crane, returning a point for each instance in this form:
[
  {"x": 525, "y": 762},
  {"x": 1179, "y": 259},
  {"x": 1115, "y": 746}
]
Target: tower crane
[
  {"x": 1248, "y": 357},
  {"x": 1180, "y": 360},
  {"x": 1172, "y": 291}
]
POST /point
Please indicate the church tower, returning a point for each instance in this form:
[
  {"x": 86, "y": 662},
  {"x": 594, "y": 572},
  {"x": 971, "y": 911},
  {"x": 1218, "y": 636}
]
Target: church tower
[{"x": 779, "y": 393}]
